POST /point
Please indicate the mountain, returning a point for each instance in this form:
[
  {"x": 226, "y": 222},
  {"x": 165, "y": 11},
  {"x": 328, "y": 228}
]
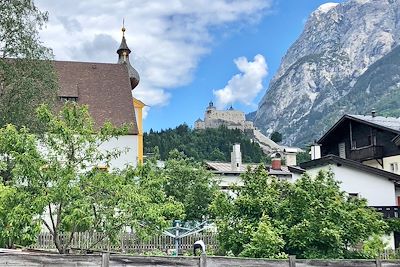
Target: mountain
[{"x": 347, "y": 60}]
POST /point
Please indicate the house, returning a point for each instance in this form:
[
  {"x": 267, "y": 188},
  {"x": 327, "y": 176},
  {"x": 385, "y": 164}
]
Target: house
[
  {"x": 377, "y": 186},
  {"x": 107, "y": 90},
  {"x": 363, "y": 152},
  {"x": 372, "y": 140},
  {"x": 228, "y": 174}
]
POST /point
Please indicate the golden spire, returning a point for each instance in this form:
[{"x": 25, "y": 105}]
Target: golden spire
[{"x": 123, "y": 27}]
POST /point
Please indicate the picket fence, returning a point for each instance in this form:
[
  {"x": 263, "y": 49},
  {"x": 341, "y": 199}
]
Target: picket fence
[{"x": 126, "y": 243}]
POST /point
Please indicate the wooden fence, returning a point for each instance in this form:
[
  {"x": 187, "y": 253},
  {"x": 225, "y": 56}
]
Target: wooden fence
[
  {"x": 109, "y": 260},
  {"x": 127, "y": 242}
]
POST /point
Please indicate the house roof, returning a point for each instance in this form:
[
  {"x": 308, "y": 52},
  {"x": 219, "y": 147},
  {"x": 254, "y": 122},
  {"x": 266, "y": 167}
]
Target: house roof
[
  {"x": 225, "y": 167},
  {"x": 396, "y": 140},
  {"x": 283, "y": 171},
  {"x": 385, "y": 123},
  {"x": 104, "y": 87},
  {"x": 333, "y": 159},
  {"x": 296, "y": 169}
]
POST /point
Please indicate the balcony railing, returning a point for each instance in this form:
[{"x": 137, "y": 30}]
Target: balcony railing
[
  {"x": 388, "y": 211},
  {"x": 365, "y": 153}
]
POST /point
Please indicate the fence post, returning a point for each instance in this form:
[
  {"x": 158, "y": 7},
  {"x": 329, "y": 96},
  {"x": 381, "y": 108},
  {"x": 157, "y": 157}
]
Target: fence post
[
  {"x": 378, "y": 263},
  {"x": 105, "y": 259},
  {"x": 292, "y": 261},
  {"x": 203, "y": 260}
]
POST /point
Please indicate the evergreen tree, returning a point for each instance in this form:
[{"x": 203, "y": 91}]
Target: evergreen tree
[
  {"x": 276, "y": 137},
  {"x": 208, "y": 144}
]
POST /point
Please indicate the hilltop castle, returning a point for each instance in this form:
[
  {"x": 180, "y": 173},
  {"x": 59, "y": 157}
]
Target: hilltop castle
[
  {"x": 236, "y": 119},
  {"x": 231, "y": 118}
]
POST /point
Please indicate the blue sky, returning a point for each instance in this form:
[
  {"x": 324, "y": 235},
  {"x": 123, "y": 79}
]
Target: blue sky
[
  {"x": 185, "y": 51},
  {"x": 271, "y": 37}
]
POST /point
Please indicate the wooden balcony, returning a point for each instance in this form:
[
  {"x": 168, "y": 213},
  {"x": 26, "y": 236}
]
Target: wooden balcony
[
  {"x": 366, "y": 153},
  {"x": 388, "y": 211}
]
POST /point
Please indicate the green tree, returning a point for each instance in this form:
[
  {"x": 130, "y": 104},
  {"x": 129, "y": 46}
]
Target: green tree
[
  {"x": 310, "y": 218},
  {"x": 19, "y": 222},
  {"x": 208, "y": 144},
  {"x": 188, "y": 182},
  {"x": 374, "y": 247},
  {"x": 303, "y": 156},
  {"x": 60, "y": 177},
  {"x": 326, "y": 223},
  {"x": 217, "y": 155},
  {"x": 276, "y": 137},
  {"x": 27, "y": 78},
  {"x": 265, "y": 242}
]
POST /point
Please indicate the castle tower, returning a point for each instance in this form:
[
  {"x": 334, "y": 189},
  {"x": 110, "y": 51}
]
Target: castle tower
[{"x": 123, "y": 58}]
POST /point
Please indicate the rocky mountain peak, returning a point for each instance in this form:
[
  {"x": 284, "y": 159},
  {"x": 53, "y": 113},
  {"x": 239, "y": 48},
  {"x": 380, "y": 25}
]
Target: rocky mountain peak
[
  {"x": 340, "y": 42},
  {"x": 324, "y": 8}
]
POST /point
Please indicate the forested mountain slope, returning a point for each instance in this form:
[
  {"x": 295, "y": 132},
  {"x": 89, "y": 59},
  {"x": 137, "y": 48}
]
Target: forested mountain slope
[{"x": 208, "y": 144}]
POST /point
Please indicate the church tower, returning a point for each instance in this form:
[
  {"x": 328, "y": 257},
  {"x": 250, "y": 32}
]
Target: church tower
[{"x": 123, "y": 58}]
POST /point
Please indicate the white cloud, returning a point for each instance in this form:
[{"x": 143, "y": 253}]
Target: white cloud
[
  {"x": 245, "y": 86},
  {"x": 168, "y": 38}
]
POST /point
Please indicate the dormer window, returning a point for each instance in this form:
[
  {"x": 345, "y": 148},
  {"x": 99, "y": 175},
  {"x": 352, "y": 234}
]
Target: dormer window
[{"x": 69, "y": 98}]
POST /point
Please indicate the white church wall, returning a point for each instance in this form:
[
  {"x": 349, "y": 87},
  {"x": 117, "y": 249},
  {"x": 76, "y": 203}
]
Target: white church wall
[{"x": 126, "y": 143}]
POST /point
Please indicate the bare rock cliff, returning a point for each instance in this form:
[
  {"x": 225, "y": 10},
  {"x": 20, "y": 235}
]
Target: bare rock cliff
[{"x": 345, "y": 61}]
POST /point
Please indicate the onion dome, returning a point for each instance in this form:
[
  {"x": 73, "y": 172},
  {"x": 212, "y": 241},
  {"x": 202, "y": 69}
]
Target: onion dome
[{"x": 123, "y": 58}]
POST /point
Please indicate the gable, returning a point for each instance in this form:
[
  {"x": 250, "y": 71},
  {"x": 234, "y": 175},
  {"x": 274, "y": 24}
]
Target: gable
[{"x": 389, "y": 125}]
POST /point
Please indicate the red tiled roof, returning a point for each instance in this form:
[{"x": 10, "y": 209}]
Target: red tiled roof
[{"x": 104, "y": 87}]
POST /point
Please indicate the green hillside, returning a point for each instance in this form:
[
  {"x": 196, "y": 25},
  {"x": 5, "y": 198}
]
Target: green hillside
[{"x": 209, "y": 144}]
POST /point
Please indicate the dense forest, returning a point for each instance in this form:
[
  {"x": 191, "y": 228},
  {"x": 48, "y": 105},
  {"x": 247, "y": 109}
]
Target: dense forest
[{"x": 209, "y": 144}]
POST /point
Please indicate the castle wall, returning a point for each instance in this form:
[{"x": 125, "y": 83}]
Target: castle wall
[{"x": 232, "y": 119}]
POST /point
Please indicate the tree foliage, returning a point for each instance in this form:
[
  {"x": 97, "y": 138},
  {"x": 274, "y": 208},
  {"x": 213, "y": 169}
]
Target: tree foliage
[
  {"x": 265, "y": 242},
  {"x": 188, "y": 182},
  {"x": 310, "y": 218},
  {"x": 303, "y": 156},
  {"x": 57, "y": 180},
  {"x": 276, "y": 137},
  {"x": 27, "y": 77},
  {"x": 208, "y": 144}
]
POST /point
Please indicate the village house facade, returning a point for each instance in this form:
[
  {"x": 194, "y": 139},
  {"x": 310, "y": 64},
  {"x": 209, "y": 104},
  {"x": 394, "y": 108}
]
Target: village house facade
[
  {"x": 227, "y": 174},
  {"x": 372, "y": 140},
  {"x": 363, "y": 152}
]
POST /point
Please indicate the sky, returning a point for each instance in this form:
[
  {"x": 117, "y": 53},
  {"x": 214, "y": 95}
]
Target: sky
[{"x": 187, "y": 52}]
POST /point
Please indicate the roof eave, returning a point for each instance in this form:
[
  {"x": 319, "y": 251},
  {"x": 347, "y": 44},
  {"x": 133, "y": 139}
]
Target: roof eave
[{"x": 329, "y": 159}]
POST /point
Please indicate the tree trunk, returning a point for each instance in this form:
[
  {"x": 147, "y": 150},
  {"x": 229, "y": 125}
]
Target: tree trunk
[{"x": 57, "y": 242}]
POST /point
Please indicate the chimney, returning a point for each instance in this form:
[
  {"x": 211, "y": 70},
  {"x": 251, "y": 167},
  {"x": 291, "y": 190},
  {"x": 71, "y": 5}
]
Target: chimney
[
  {"x": 236, "y": 158},
  {"x": 373, "y": 113},
  {"x": 276, "y": 164},
  {"x": 315, "y": 151}
]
